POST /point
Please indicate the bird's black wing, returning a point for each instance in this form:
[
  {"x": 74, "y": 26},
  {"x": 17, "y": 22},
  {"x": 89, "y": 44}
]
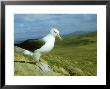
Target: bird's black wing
[{"x": 31, "y": 44}]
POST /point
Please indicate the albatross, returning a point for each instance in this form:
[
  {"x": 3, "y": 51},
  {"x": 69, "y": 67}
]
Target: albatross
[{"x": 37, "y": 47}]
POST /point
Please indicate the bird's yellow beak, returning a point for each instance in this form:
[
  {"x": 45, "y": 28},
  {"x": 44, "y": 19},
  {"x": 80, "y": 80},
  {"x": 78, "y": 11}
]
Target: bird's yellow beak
[{"x": 59, "y": 37}]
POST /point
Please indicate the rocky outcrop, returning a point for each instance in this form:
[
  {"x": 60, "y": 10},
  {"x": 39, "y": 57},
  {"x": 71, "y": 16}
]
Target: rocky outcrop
[{"x": 27, "y": 67}]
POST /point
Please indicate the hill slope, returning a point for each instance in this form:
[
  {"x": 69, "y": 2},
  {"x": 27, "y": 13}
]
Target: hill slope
[{"x": 74, "y": 56}]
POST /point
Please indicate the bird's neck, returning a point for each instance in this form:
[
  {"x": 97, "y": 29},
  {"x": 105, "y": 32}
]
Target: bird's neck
[{"x": 50, "y": 37}]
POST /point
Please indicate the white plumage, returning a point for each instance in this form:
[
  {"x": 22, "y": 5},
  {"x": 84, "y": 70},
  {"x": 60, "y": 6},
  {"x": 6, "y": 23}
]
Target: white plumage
[
  {"x": 49, "y": 44},
  {"x": 47, "y": 47}
]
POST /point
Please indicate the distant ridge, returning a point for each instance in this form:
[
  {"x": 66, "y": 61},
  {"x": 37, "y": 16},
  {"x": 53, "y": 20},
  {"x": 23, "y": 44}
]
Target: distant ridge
[
  {"x": 79, "y": 33},
  {"x": 73, "y": 33}
]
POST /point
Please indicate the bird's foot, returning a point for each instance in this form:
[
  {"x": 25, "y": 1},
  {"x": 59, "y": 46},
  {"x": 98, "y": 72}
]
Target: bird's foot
[
  {"x": 37, "y": 62},
  {"x": 34, "y": 63}
]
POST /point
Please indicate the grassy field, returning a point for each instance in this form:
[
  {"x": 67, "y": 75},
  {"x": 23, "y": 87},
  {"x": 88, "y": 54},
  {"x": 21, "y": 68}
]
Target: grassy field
[{"x": 74, "y": 56}]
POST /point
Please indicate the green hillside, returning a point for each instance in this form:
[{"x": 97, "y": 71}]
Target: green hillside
[{"x": 74, "y": 56}]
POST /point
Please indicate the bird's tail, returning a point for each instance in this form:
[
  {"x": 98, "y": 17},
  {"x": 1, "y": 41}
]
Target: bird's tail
[{"x": 24, "y": 51}]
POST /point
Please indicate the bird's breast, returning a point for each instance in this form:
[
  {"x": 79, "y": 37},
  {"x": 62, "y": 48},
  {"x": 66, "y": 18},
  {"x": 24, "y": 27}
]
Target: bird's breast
[{"x": 47, "y": 47}]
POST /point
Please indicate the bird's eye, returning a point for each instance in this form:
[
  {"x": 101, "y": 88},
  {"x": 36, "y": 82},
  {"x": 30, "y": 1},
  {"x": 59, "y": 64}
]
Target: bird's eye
[{"x": 55, "y": 31}]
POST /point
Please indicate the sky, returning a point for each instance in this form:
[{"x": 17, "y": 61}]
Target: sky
[{"x": 28, "y": 26}]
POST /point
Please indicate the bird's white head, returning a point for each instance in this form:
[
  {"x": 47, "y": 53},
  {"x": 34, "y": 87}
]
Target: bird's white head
[{"x": 55, "y": 33}]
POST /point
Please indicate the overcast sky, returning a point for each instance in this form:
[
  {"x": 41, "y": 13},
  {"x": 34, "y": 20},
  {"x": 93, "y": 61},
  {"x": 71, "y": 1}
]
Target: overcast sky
[{"x": 27, "y": 26}]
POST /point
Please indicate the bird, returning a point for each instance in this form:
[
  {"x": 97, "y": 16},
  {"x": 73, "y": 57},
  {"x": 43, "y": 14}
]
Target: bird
[{"x": 38, "y": 47}]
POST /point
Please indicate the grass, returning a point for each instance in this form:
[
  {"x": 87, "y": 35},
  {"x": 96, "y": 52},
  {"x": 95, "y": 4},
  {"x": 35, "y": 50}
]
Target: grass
[{"x": 74, "y": 56}]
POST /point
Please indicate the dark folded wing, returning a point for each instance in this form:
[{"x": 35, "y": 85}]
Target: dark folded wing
[{"x": 31, "y": 44}]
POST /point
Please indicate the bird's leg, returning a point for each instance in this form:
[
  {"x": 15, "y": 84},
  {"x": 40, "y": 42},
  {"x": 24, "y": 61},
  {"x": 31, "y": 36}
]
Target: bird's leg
[{"x": 36, "y": 56}]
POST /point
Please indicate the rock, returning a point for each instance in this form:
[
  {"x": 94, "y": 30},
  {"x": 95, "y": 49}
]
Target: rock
[
  {"x": 28, "y": 68},
  {"x": 44, "y": 67}
]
